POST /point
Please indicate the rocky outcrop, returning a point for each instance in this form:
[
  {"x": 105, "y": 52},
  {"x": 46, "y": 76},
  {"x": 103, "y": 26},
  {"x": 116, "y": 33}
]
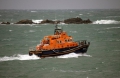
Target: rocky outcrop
[
  {"x": 87, "y": 21},
  {"x": 24, "y": 22},
  {"x": 66, "y": 21},
  {"x": 76, "y": 21},
  {"x": 5, "y": 23},
  {"x": 49, "y": 21}
]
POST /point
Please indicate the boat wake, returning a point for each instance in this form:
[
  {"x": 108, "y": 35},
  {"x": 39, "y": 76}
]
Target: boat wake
[
  {"x": 73, "y": 55},
  {"x": 34, "y": 57},
  {"x": 19, "y": 57}
]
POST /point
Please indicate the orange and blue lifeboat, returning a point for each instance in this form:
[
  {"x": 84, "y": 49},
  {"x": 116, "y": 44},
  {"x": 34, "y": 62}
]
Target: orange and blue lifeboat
[{"x": 59, "y": 44}]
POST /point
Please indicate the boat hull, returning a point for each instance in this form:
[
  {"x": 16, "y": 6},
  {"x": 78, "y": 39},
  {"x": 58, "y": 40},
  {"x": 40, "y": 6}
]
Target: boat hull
[{"x": 58, "y": 52}]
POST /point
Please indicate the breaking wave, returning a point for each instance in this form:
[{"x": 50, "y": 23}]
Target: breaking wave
[
  {"x": 73, "y": 31},
  {"x": 33, "y": 11},
  {"x": 113, "y": 28},
  {"x": 106, "y": 22},
  {"x": 34, "y": 57},
  {"x": 73, "y": 55},
  {"x": 19, "y": 57},
  {"x": 37, "y": 21}
]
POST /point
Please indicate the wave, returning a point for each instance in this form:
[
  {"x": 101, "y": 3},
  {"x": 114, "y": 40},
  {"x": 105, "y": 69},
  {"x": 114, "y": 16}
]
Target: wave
[
  {"x": 106, "y": 22},
  {"x": 73, "y": 31},
  {"x": 112, "y": 16},
  {"x": 113, "y": 28},
  {"x": 37, "y": 21},
  {"x": 33, "y": 11},
  {"x": 31, "y": 31},
  {"x": 10, "y": 30},
  {"x": 19, "y": 57},
  {"x": 34, "y": 57},
  {"x": 80, "y": 14},
  {"x": 73, "y": 55},
  {"x": 7, "y": 39}
]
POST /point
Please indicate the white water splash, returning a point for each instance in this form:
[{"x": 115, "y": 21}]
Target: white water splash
[
  {"x": 37, "y": 21},
  {"x": 19, "y": 57},
  {"x": 10, "y": 30},
  {"x": 106, "y": 22},
  {"x": 7, "y": 39},
  {"x": 34, "y": 57},
  {"x": 31, "y": 31},
  {"x": 33, "y": 11},
  {"x": 73, "y": 31},
  {"x": 73, "y": 55},
  {"x": 113, "y": 28},
  {"x": 80, "y": 14}
]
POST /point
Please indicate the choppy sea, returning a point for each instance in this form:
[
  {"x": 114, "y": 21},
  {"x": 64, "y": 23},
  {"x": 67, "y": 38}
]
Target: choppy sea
[{"x": 101, "y": 61}]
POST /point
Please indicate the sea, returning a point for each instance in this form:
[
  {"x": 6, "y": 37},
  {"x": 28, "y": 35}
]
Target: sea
[{"x": 102, "y": 59}]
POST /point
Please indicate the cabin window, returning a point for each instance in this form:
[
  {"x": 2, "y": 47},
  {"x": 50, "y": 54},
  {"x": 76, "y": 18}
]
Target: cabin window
[
  {"x": 68, "y": 40},
  {"x": 60, "y": 42},
  {"x": 65, "y": 40},
  {"x": 57, "y": 41}
]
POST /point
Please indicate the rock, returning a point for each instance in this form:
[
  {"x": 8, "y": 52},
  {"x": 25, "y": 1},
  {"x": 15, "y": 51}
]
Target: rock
[
  {"x": 73, "y": 21},
  {"x": 47, "y": 21},
  {"x": 5, "y": 23},
  {"x": 87, "y": 21},
  {"x": 50, "y": 21},
  {"x": 76, "y": 21},
  {"x": 57, "y": 22},
  {"x": 25, "y": 22}
]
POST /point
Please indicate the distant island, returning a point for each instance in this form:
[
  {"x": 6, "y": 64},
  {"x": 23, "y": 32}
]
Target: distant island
[{"x": 76, "y": 20}]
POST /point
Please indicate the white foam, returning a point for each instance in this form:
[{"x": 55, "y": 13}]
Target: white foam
[
  {"x": 112, "y": 16},
  {"x": 106, "y": 22},
  {"x": 31, "y": 31},
  {"x": 19, "y": 57},
  {"x": 10, "y": 30},
  {"x": 113, "y": 28},
  {"x": 33, "y": 11},
  {"x": 88, "y": 13},
  {"x": 8, "y": 39},
  {"x": 34, "y": 57},
  {"x": 80, "y": 14},
  {"x": 73, "y": 55},
  {"x": 73, "y": 31},
  {"x": 62, "y": 23},
  {"x": 37, "y": 21}
]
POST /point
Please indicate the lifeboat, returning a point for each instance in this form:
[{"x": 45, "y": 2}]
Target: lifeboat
[{"x": 59, "y": 44}]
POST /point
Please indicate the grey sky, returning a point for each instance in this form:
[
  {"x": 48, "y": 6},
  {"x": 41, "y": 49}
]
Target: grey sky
[{"x": 59, "y": 4}]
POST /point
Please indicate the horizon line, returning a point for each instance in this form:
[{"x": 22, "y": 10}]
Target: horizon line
[{"x": 66, "y": 9}]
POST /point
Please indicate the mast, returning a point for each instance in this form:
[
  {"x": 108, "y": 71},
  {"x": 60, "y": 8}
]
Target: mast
[{"x": 57, "y": 30}]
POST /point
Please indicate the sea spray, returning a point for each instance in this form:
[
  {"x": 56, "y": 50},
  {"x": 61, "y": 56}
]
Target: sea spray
[
  {"x": 73, "y": 55},
  {"x": 19, "y": 57},
  {"x": 37, "y": 21},
  {"x": 106, "y": 22},
  {"x": 34, "y": 57}
]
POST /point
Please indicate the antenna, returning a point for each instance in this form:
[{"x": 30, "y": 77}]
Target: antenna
[{"x": 56, "y": 26}]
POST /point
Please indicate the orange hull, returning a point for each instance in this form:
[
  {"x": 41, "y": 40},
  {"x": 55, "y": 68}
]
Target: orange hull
[
  {"x": 57, "y": 52},
  {"x": 59, "y": 44}
]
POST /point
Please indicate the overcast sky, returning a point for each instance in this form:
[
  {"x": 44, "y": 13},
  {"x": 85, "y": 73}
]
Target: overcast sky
[{"x": 59, "y": 4}]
